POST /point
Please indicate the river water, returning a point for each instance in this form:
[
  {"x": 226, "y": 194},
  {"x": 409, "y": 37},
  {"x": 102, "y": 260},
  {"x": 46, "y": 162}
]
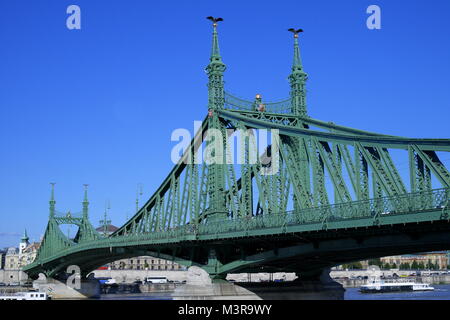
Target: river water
[
  {"x": 441, "y": 292},
  {"x": 136, "y": 296}
]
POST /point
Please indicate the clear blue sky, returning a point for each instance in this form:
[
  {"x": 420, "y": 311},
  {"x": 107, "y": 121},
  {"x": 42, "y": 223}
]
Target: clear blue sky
[{"x": 98, "y": 105}]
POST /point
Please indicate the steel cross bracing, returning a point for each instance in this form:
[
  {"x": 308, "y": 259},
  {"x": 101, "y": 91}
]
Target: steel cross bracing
[{"x": 329, "y": 177}]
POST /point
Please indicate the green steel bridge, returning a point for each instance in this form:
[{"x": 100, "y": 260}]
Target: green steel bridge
[{"x": 319, "y": 195}]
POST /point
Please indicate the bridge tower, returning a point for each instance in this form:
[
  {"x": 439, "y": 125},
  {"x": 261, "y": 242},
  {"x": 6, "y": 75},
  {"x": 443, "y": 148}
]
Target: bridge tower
[
  {"x": 86, "y": 231},
  {"x": 52, "y": 201},
  {"x": 297, "y": 79},
  {"x": 299, "y": 147},
  {"x": 216, "y": 100}
]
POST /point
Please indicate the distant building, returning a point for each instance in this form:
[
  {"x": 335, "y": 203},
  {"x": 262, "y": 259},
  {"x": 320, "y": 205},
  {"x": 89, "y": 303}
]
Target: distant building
[
  {"x": 436, "y": 258},
  {"x": 439, "y": 259},
  {"x": 2, "y": 259},
  {"x": 107, "y": 229},
  {"x": 27, "y": 251},
  {"x": 16, "y": 258},
  {"x": 145, "y": 263},
  {"x": 12, "y": 259}
]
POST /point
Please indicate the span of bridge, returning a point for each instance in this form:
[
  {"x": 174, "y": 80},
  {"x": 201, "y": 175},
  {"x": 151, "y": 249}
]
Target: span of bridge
[{"x": 336, "y": 196}]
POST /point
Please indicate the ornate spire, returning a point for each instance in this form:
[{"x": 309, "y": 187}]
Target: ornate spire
[
  {"x": 297, "y": 63},
  {"x": 105, "y": 222},
  {"x": 215, "y": 70},
  {"x": 25, "y": 236},
  {"x": 216, "y": 101},
  {"x": 215, "y": 67},
  {"x": 215, "y": 51},
  {"x": 85, "y": 201},
  {"x": 298, "y": 79},
  {"x": 52, "y": 201}
]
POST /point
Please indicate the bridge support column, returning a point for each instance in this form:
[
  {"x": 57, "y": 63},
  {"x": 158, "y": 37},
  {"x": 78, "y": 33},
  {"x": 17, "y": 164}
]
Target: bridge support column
[{"x": 213, "y": 267}]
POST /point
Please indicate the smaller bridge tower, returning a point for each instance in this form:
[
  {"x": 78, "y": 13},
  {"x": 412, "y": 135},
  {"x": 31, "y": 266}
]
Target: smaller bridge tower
[{"x": 297, "y": 79}]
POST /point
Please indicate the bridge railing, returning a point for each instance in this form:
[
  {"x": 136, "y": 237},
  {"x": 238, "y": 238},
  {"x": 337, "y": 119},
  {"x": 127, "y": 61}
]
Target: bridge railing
[
  {"x": 68, "y": 214},
  {"x": 372, "y": 208},
  {"x": 317, "y": 218}
]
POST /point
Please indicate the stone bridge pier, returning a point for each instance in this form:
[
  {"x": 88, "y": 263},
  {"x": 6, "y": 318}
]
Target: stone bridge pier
[
  {"x": 315, "y": 286},
  {"x": 65, "y": 287}
]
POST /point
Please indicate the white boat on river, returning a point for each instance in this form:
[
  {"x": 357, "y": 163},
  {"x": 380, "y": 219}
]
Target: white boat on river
[
  {"x": 377, "y": 285},
  {"x": 32, "y": 295}
]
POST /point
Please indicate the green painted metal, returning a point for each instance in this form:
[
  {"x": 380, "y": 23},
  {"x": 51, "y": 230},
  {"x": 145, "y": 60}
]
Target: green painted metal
[
  {"x": 215, "y": 178},
  {"x": 203, "y": 213},
  {"x": 298, "y": 79}
]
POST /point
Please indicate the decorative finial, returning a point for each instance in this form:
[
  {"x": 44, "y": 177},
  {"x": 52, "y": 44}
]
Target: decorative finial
[
  {"x": 214, "y": 20},
  {"x": 52, "y": 197},
  {"x": 215, "y": 52},
  {"x": 85, "y": 191},
  {"x": 297, "y": 79},
  {"x": 295, "y": 32},
  {"x": 297, "y": 65},
  {"x": 25, "y": 236},
  {"x": 215, "y": 70}
]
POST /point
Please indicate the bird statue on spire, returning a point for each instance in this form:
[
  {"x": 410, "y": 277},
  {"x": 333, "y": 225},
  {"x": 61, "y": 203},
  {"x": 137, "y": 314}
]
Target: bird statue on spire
[
  {"x": 214, "y": 20},
  {"x": 295, "y": 32}
]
